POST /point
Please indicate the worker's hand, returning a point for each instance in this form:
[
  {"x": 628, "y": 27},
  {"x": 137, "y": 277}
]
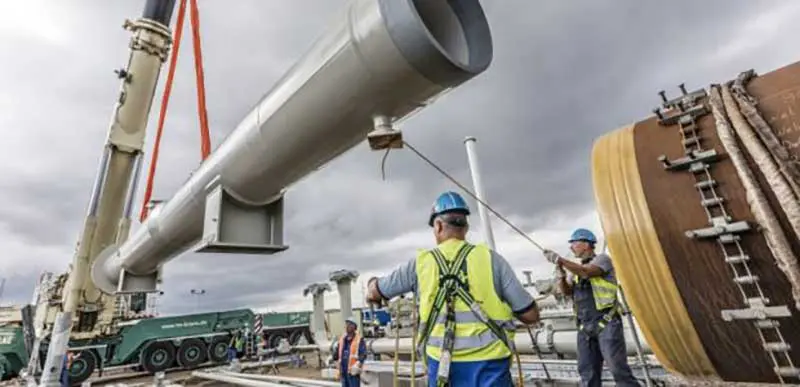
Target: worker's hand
[
  {"x": 551, "y": 256},
  {"x": 373, "y": 295}
]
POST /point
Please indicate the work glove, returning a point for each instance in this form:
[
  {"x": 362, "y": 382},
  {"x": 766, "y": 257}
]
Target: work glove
[
  {"x": 551, "y": 256},
  {"x": 355, "y": 370}
]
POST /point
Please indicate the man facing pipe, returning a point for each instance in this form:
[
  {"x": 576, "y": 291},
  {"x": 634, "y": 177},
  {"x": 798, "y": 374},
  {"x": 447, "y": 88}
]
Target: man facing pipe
[
  {"x": 593, "y": 287},
  {"x": 467, "y": 331}
]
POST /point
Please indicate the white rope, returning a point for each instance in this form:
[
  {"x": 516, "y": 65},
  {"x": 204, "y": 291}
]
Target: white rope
[
  {"x": 763, "y": 213},
  {"x": 787, "y": 163}
]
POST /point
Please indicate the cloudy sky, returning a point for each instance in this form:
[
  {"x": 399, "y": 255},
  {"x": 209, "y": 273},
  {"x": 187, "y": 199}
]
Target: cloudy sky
[{"x": 563, "y": 73}]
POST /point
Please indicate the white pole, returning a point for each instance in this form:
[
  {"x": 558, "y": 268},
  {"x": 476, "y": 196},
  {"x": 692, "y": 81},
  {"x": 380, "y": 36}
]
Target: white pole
[{"x": 477, "y": 183}]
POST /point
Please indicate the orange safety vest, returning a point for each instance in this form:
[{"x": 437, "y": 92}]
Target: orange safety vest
[{"x": 353, "y": 352}]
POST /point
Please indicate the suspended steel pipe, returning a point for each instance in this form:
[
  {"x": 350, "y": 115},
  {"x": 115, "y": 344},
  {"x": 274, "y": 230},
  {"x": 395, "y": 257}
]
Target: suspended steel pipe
[{"x": 383, "y": 58}]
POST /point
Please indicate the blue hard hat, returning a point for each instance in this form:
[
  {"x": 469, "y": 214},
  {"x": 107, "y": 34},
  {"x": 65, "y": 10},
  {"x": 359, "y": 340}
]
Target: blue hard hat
[
  {"x": 584, "y": 235},
  {"x": 448, "y": 202}
]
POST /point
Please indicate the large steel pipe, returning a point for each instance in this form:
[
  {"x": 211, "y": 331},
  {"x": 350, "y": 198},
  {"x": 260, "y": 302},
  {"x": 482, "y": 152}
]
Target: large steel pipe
[
  {"x": 690, "y": 273},
  {"x": 382, "y": 58}
]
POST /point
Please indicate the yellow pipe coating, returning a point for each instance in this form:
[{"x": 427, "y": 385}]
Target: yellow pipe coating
[{"x": 639, "y": 260}]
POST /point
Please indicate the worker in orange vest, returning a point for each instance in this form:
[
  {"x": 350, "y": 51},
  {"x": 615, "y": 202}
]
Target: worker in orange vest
[{"x": 350, "y": 352}]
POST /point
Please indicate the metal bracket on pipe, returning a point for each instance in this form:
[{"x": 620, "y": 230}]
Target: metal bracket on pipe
[
  {"x": 384, "y": 136},
  {"x": 759, "y": 313},
  {"x": 672, "y": 110},
  {"x": 694, "y": 161},
  {"x": 118, "y": 280},
  {"x": 129, "y": 283},
  {"x": 719, "y": 230},
  {"x": 234, "y": 226}
]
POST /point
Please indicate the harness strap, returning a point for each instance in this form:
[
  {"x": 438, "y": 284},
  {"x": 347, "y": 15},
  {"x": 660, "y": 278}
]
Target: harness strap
[
  {"x": 606, "y": 319},
  {"x": 447, "y": 280},
  {"x": 458, "y": 289}
]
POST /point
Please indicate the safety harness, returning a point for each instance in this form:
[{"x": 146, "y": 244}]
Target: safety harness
[
  {"x": 609, "y": 315},
  {"x": 453, "y": 283}
]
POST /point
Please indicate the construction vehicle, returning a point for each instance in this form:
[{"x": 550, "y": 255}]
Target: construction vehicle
[
  {"x": 13, "y": 349},
  {"x": 383, "y": 62},
  {"x": 292, "y": 326},
  {"x": 143, "y": 341}
]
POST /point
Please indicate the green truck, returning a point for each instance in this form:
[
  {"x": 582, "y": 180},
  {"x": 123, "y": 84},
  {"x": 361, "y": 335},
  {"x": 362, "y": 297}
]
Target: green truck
[
  {"x": 160, "y": 343},
  {"x": 293, "y": 326},
  {"x": 13, "y": 354},
  {"x": 15, "y": 339}
]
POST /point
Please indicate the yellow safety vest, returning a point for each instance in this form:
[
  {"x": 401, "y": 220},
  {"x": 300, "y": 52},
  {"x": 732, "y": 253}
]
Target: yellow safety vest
[
  {"x": 603, "y": 291},
  {"x": 473, "y": 339}
]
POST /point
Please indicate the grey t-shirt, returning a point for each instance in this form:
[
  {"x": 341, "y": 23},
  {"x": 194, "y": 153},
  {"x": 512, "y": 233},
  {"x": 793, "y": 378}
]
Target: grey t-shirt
[{"x": 507, "y": 286}]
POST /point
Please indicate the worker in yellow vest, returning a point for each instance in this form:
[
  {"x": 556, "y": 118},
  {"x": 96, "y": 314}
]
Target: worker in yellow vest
[
  {"x": 350, "y": 351},
  {"x": 593, "y": 287},
  {"x": 468, "y": 298}
]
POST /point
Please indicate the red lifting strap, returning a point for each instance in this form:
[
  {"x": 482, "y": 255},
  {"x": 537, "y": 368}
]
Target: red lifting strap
[{"x": 205, "y": 140}]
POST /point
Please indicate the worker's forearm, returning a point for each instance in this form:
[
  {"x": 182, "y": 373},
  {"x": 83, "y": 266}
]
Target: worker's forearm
[
  {"x": 530, "y": 316},
  {"x": 573, "y": 267}
]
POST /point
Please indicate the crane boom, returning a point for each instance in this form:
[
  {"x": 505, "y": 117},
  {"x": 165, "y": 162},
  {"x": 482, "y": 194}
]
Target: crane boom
[
  {"x": 108, "y": 215},
  {"x": 382, "y": 60}
]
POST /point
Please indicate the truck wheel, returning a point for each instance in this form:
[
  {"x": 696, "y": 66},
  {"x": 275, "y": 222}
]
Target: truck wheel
[
  {"x": 309, "y": 337},
  {"x": 218, "y": 350},
  {"x": 297, "y": 338},
  {"x": 82, "y": 367},
  {"x": 275, "y": 339},
  {"x": 191, "y": 353},
  {"x": 158, "y": 356}
]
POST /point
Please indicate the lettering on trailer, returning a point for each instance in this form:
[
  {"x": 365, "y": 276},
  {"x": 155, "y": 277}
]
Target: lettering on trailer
[
  {"x": 6, "y": 338},
  {"x": 188, "y": 324},
  {"x": 297, "y": 318}
]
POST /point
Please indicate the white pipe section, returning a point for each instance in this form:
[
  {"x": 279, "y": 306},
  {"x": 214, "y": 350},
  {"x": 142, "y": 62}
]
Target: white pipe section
[
  {"x": 239, "y": 381},
  {"x": 477, "y": 183},
  {"x": 548, "y": 342},
  {"x": 382, "y": 57},
  {"x": 284, "y": 379}
]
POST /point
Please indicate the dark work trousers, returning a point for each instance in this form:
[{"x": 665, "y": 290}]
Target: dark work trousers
[
  {"x": 609, "y": 345},
  {"x": 593, "y": 348}
]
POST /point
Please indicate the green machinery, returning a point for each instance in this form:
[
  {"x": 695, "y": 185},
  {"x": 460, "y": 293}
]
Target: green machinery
[
  {"x": 160, "y": 343},
  {"x": 293, "y": 326},
  {"x": 13, "y": 354},
  {"x": 15, "y": 339}
]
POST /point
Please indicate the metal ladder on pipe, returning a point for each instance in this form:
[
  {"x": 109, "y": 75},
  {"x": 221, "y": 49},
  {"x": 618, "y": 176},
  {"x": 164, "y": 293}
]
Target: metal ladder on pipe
[{"x": 724, "y": 229}]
